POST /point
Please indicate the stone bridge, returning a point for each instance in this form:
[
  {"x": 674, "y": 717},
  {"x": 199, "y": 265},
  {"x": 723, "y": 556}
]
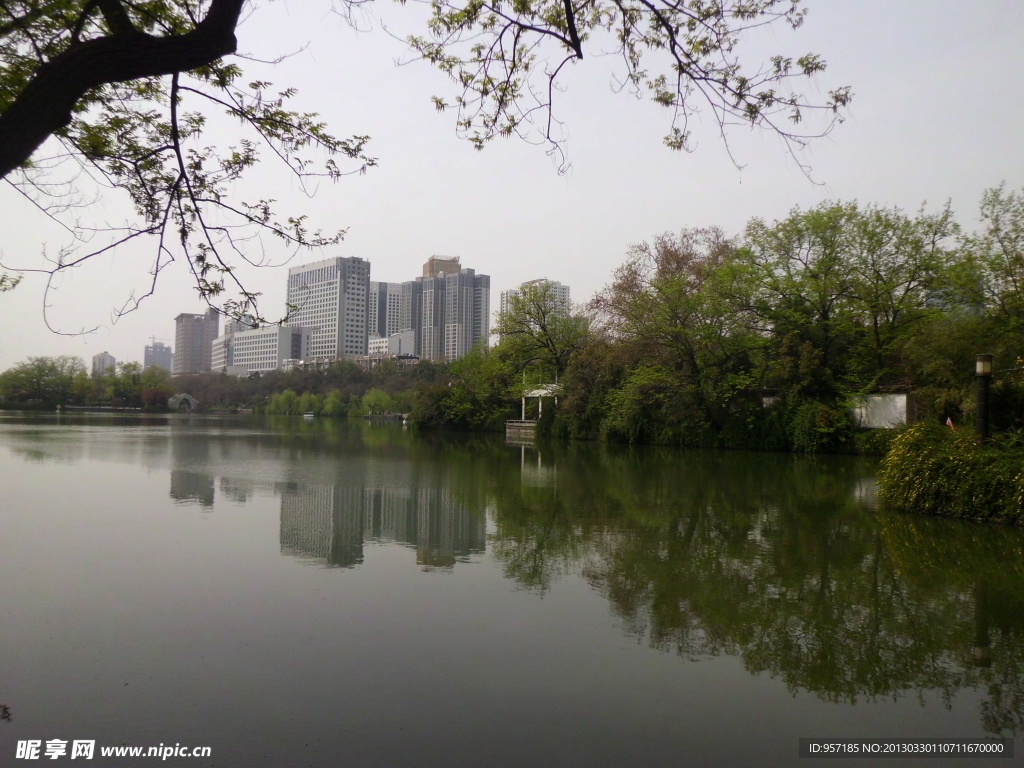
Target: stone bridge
[{"x": 183, "y": 401}]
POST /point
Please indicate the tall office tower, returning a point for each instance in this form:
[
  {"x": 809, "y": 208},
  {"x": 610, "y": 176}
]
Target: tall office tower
[
  {"x": 103, "y": 363},
  {"x": 557, "y": 293},
  {"x": 411, "y": 315},
  {"x": 456, "y": 309},
  {"x": 330, "y": 298},
  {"x": 158, "y": 354},
  {"x": 384, "y": 309},
  {"x": 193, "y": 341}
]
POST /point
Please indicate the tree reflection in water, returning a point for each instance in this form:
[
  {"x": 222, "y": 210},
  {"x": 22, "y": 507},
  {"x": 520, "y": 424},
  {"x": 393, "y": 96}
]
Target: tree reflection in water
[{"x": 782, "y": 561}]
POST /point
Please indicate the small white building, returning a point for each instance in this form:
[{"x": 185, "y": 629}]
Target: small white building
[
  {"x": 884, "y": 411},
  {"x": 266, "y": 349},
  {"x": 403, "y": 343}
]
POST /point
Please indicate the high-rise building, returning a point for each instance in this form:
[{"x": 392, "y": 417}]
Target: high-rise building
[
  {"x": 384, "y": 309},
  {"x": 455, "y": 309},
  {"x": 411, "y": 315},
  {"x": 158, "y": 354},
  {"x": 557, "y": 293},
  {"x": 103, "y": 363},
  {"x": 193, "y": 341},
  {"x": 330, "y": 298}
]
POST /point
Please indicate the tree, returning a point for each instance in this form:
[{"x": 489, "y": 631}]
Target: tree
[
  {"x": 802, "y": 266},
  {"x": 377, "y": 401},
  {"x": 897, "y": 265},
  {"x": 125, "y": 91},
  {"x": 124, "y": 386},
  {"x": 537, "y": 328},
  {"x": 674, "y": 302},
  {"x": 995, "y": 257},
  {"x": 43, "y": 380}
]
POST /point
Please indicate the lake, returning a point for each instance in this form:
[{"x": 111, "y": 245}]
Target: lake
[{"x": 320, "y": 593}]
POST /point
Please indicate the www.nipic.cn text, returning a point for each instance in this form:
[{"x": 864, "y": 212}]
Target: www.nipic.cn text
[{"x": 53, "y": 749}]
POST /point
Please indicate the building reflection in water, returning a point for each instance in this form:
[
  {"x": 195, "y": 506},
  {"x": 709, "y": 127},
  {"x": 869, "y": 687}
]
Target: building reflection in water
[
  {"x": 331, "y": 524},
  {"x": 188, "y": 487}
]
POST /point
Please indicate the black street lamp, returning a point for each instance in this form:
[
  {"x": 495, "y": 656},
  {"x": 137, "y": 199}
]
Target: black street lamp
[{"x": 983, "y": 374}]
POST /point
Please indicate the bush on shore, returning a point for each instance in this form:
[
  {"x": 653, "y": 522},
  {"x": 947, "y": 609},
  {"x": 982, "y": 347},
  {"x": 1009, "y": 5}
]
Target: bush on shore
[{"x": 933, "y": 470}]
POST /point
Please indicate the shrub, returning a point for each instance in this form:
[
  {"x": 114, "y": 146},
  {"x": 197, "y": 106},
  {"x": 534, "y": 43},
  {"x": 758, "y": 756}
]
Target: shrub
[
  {"x": 874, "y": 442},
  {"x": 154, "y": 398},
  {"x": 932, "y": 470},
  {"x": 334, "y": 404},
  {"x": 820, "y": 428}
]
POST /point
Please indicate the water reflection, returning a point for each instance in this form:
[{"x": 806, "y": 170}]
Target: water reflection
[
  {"x": 780, "y": 561},
  {"x": 331, "y": 523}
]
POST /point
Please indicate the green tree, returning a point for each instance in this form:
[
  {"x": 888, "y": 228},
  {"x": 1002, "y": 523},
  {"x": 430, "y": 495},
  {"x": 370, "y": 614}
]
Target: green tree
[
  {"x": 897, "y": 268},
  {"x": 994, "y": 258},
  {"x": 802, "y": 265},
  {"x": 124, "y": 386},
  {"x": 157, "y": 378},
  {"x": 334, "y": 404},
  {"x": 676, "y": 302},
  {"x": 537, "y": 328},
  {"x": 377, "y": 401},
  {"x": 284, "y": 403},
  {"x": 310, "y": 402},
  {"x": 43, "y": 380}
]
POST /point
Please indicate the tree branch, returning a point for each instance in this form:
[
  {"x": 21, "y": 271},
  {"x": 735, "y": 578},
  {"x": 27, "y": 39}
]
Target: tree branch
[{"x": 45, "y": 105}]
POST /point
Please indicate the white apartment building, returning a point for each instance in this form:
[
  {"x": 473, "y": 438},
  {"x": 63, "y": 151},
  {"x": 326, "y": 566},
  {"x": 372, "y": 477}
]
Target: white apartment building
[
  {"x": 403, "y": 343},
  {"x": 220, "y": 352},
  {"x": 102, "y": 364},
  {"x": 384, "y": 309},
  {"x": 330, "y": 298},
  {"x": 264, "y": 349}
]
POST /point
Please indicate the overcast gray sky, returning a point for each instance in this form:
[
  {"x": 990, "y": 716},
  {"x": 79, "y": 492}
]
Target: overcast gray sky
[{"x": 937, "y": 115}]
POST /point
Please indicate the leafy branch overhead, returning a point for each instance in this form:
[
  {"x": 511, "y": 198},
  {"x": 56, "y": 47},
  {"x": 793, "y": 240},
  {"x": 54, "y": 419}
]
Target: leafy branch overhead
[
  {"x": 124, "y": 92},
  {"x": 506, "y": 58},
  {"x": 124, "y": 95}
]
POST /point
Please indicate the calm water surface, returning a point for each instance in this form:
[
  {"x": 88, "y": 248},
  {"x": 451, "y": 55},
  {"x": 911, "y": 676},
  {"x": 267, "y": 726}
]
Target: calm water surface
[{"x": 294, "y": 593}]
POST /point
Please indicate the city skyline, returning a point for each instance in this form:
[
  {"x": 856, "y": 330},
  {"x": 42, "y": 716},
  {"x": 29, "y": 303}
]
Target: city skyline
[
  {"x": 335, "y": 311},
  {"x": 578, "y": 226}
]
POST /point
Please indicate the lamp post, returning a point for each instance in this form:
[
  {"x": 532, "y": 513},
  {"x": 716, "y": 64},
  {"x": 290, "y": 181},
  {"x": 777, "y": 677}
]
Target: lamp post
[{"x": 983, "y": 374}]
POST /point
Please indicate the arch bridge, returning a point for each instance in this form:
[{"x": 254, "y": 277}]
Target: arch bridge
[{"x": 183, "y": 401}]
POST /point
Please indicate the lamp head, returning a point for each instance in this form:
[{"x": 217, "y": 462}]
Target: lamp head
[{"x": 983, "y": 366}]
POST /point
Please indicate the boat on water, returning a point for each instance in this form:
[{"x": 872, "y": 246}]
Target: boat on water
[{"x": 308, "y": 416}]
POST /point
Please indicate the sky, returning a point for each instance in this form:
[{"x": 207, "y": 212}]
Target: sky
[{"x": 937, "y": 115}]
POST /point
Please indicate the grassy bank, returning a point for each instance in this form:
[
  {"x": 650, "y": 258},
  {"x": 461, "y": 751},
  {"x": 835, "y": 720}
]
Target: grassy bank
[{"x": 932, "y": 470}]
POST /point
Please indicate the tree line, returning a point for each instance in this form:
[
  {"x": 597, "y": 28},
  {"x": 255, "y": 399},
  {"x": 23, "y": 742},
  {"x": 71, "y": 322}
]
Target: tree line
[
  {"x": 63, "y": 380},
  {"x": 763, "y": 340}
]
